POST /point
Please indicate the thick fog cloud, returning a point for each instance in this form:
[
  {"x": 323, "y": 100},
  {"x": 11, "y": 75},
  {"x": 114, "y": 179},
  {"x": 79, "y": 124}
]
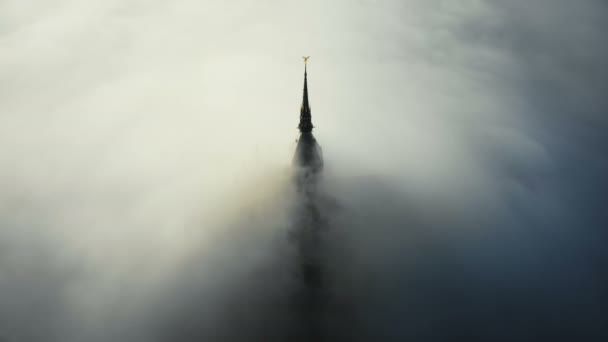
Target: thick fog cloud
[{"x": 147, "y": 190}]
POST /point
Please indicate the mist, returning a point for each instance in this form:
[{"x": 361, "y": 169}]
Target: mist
[{"x": 147, "y": 191}]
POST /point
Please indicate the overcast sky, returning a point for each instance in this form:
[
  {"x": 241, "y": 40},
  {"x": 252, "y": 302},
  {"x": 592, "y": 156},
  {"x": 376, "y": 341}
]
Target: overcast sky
[{"x": 143, "y": 140}]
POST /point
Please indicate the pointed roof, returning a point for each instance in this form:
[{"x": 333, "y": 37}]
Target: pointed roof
[{"x": 305, "y": 117}]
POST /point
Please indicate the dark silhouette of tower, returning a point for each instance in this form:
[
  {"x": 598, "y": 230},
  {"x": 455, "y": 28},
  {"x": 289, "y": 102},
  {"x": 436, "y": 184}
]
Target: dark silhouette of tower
[
  {"x": 305, "y": 125},
  {"x": 308, "y": 153},
  {"x": 312, "y": 308}
]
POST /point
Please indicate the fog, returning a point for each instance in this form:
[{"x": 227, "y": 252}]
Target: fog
[{"x": 147, "y": 191}]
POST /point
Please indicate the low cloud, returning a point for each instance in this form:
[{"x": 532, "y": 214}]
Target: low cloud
[{"x": 147, "y": 190}]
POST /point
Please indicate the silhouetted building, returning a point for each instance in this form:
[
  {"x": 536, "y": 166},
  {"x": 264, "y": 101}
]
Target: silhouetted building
[
  {"x": 308, "y": 153},
  {"x": 305, "y": 125}
]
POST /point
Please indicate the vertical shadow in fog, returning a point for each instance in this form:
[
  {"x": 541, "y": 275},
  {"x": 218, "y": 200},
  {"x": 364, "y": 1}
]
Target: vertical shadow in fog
[
  {"x": 318, "y": 314},
  {"x": 309, "y": 299}
]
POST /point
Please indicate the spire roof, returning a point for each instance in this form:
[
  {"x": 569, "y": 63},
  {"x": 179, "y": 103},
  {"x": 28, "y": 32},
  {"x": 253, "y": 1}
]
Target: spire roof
[{"x": 305, "y": 125}]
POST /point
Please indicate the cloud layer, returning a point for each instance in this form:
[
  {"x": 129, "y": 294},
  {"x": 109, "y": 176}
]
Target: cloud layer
[{"x": 145, "y": 152}]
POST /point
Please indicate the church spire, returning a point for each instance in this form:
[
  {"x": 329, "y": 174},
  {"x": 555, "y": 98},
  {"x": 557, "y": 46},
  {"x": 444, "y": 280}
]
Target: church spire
[{"x": 305, "y": 125}]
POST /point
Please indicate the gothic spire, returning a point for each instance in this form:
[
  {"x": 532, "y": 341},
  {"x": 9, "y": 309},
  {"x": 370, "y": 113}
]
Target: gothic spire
[{"x": 305, "y": 125}]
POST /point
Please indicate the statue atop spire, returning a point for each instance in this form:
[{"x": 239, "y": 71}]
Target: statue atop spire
[{"x": 305, "y": 125}]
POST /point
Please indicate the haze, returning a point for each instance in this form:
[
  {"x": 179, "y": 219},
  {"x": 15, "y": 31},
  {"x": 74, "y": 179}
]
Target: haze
[{"x": 146, "y": 148}]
